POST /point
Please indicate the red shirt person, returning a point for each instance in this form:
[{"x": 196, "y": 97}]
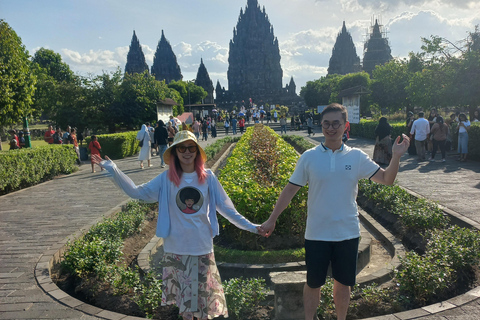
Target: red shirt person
[
  {"x": 95, "y": 149},
  {"x": 48, "y": 137}
]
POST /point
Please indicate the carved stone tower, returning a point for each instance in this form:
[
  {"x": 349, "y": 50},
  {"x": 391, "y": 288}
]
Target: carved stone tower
[
  {"x": 203, "y": 80},
  {"x": 254, "y": 69},
  {"x": 376, "y": 49},
  {"x": 165, "y": 66},
  {"x": 344, "y": 57},
  {"x": 135, "y": 57}
]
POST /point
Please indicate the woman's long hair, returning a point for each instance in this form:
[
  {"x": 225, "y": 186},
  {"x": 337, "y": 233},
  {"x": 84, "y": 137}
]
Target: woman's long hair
[{"x": 175, "y": 169}]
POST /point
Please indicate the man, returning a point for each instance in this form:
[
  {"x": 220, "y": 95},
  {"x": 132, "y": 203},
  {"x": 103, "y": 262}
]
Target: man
[
  {"x": 421, "y": 129},
  {"x": 332, "y": 171},
  {"x": 48, "y": 137},
  {"x": 160, "y": 137}
]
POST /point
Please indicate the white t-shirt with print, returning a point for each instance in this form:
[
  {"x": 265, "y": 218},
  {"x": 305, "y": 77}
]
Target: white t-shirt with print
[
  {"x": 332, "y": 179},
  {"x": 462, "y": 129},
  {"x": 190, "y": 232}
]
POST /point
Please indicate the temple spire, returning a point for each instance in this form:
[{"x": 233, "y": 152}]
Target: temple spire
[
  {"x": 135, "y": 58},
  {"x": 165, "y": 66},
  {"x": 344, "y": 57}
]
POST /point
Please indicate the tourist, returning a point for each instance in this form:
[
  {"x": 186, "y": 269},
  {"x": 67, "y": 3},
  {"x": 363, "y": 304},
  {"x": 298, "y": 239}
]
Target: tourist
[
  {"x": 189, "y": 196},
  {"x": 143, "y": 137},
  {"x": 346, "y": 134},
  {"x": 73, "y": 140},
  {"x": 382, "y": 153},
  {"x": 439, "y": 136},
  {"x": 462, "y": 129},
  {"x": 332, "y": 170},
  {"x": 226, "y": 124},
  {"x": 292, "y": 123},
  {"x": 310, "y": 126},
  {"x": 171, "y": 132},
  {"x": 205, "y": 125},
  {"x": 241, "y": 124},
  {"x": 57, "y": 136},
  {"x": 275, "y": 116},
  {"x": 66, "y": 136},
  {"x": 151, "y": 133},
  {"x": 161, "y": 140},
  {"x": 21, "y": 140},
  {"x": 410, "y": 119},
  {"x": 13, "y": 132},
  {"x": 48, "y": 136},
  {"x": 421, "y": 129},
  {"x": 196, "y": 129},
  {"x": 95, "y": 150},
  {"x": 213, "y": 126},
  {"x": 283, "y": 124},
  {"x": 233, "y": 123}
]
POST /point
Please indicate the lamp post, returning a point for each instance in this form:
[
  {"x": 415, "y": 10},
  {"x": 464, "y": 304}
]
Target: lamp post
[{"x": 26, "y": 133}]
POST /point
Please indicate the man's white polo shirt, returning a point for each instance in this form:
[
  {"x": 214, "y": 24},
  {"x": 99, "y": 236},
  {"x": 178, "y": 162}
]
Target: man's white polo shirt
[{"x": 332, "y": 179}]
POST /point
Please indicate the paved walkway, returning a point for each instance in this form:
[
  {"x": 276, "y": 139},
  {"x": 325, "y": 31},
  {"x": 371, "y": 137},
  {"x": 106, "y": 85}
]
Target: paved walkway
[{"x": 36, "y": 219}]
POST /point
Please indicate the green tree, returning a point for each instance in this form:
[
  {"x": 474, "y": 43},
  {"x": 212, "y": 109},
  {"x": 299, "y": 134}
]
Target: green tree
[
  {"x": 139, "y": 94},
  {"x": 189, "y": 92},
  {"x": 388, "y": 86},
  {"x": 52, "y": 74},
  {"x": 17, "y": 83},
  {"x": 319, "y": 92}
]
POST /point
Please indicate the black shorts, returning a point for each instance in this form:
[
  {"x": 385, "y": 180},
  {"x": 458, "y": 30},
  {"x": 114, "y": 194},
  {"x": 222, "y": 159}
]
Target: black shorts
[{"x": 343, "y": 256}]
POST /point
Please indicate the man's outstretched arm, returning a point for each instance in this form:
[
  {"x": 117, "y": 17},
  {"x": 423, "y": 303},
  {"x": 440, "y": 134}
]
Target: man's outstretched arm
[{"x": 283, "y": 200}]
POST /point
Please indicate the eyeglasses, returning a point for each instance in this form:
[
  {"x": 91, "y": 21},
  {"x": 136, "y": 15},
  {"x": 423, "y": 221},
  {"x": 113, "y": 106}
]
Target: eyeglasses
[
  {"x": 334, "y": 124},
  {"x": 191, "y": 149}
]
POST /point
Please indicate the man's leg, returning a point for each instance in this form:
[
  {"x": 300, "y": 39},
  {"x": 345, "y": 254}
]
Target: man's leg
[
  {"x": 311, "y": 299},
  {"x": 341, "y": 297}
]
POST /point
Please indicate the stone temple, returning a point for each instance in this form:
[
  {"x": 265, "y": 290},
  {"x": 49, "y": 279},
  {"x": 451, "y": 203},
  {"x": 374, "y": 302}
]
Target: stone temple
[
  {"x": 344, "y": 57},
  {"x": 135, "y": 58},
  {"x": 377, "y": 50},
  {"x": 254, "y": 70}
]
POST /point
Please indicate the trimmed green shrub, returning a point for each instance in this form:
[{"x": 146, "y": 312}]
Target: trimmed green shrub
[
  {"x": 253, "y": 177},
  {"x": 244, "y": 296},
  {"x": 366, "y": 129},
  {"x": 26, "y": 167},
  {"x": 117, "y": 145}
]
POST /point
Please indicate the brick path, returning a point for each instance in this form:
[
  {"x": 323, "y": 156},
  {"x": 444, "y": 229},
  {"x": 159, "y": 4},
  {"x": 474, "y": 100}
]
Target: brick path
[{"x": 36, "y": 219}]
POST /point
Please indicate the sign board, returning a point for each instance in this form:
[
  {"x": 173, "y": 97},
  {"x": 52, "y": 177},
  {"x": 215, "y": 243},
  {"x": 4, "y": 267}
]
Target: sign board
[
  {"x": 164, "y": 112},
  {"x": 352, "y": 103}
]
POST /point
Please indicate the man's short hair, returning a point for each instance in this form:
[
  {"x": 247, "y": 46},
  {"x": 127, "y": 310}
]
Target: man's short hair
[
  {"x": 421, "y": 114},
  {"x": 336, "y": 107}
]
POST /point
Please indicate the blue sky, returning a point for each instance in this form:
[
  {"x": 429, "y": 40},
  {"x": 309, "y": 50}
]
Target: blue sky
[{"x": 94, "y": 35}]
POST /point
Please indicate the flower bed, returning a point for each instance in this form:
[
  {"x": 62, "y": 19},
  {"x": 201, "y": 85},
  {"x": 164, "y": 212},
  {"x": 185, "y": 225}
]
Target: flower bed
[{"x": 254, "y": 176}]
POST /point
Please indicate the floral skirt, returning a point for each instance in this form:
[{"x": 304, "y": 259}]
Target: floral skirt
[{"x": 193, "y": 284}]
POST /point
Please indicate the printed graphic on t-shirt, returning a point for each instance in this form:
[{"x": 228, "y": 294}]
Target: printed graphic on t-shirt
[{"x": 189, "y": 200}]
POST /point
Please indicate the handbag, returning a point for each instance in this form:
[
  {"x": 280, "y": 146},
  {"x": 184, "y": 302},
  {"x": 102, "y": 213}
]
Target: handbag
[{"x": 140, "y": 143}]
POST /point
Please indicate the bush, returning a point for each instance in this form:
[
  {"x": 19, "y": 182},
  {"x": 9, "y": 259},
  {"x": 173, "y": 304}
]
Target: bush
[
  {"x": 254, "y": 180},
  {"x": 26, "y": 167},
  {"x": 117, "y": 145},
  {"x": 244, "y": 296},
  {"x": 366, "y": 129},
  {"x": 421, "y": 278}
]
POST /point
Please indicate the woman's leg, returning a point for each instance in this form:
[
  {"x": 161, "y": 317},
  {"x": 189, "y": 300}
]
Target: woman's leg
[
  {"x": 141, "y": 164},
  {"x": 441, "y": 144}
]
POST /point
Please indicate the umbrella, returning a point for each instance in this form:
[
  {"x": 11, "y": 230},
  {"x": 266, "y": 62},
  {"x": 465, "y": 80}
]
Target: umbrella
[
  {"x": 214, "y": 110},
  {"x": 177, "y": 121},
  {"x": 262, "y": 111},
  {"x": 241, "y": 114}
]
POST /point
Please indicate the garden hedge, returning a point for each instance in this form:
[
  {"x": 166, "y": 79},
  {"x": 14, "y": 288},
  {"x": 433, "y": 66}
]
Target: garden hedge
[
  {"x": 26, "y": 167},
  {"x": 117, "y": 145}
]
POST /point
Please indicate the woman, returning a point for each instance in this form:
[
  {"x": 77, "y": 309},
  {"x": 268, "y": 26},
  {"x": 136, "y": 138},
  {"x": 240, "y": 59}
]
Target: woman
[
  {"x": 462, "y": 129},
  {"x": 191, "y": 195},
  {"x": 213, "y": 126},
  {"x": 73, "y": 139},
  {"x": 382, "y": 154},
  {"x": 439, "y": 137},
  {"x": 144, "y": 137}
]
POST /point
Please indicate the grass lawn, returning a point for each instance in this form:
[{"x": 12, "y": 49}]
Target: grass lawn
[{"x": 35, "y": 143}]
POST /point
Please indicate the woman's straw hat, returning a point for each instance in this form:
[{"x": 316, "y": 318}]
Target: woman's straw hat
[{"x": 180, "y": 137}]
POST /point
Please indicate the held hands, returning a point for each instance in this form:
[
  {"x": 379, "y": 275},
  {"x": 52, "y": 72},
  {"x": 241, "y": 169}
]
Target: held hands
[
  {"x": 399, "y": 148},
  {"x": 267, "y": 228}
]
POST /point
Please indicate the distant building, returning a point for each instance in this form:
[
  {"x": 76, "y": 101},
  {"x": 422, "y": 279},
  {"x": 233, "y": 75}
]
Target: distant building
[
  {"x": 203, "y": 80},
  {"x": 376, "y": 49},
  {"x": 344, "y": 57},
  {"x": 254, "y": 70},
  {"x": 135, "y": 58},
  {"x": 165, "y": 66}
]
